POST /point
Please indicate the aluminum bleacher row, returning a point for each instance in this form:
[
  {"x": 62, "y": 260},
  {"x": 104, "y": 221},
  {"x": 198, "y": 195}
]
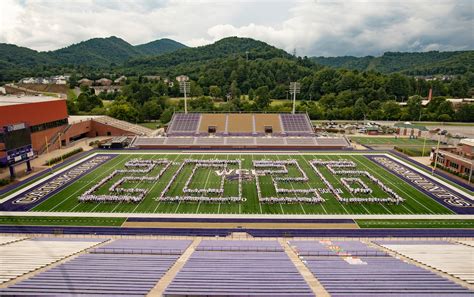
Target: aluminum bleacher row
[
  {"x": 222, "y": 267},
  {"x": 238, "y": 142},
  {"x": 238, "y": 268},
  {"x": 342, "y": 273},
  {"x": 20, "y": 257},
  {"x": 454, "y": 259},
  {"x": 236, "y": 124},
  {"x": 121, "y": 268}
]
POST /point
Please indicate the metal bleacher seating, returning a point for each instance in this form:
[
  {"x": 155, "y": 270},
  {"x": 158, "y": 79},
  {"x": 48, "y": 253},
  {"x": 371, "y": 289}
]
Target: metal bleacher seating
[
  {"x": 121, "y": 268},
  {"x": 296, "y": 124},
  {"x": 218, "y": 121},
  {"x": 238, "y": 268},
  {"x": 230, "y": 141},
  {"x": 352, "y": 268},
  {"x": 210, "y": 140},
  {"x": 302, "y": 141},
  {"x": 20, "y": 257},
  {"x": 184, "y": 124}
]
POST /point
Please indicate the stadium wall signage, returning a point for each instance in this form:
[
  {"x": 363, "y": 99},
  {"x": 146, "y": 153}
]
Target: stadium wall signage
[
  {"x": 59, "y": 182},
  {"x": 434, "y": 189}
]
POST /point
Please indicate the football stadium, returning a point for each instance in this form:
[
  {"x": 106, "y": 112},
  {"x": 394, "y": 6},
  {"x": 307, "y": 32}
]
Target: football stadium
[{"x": 237, "y": 204}]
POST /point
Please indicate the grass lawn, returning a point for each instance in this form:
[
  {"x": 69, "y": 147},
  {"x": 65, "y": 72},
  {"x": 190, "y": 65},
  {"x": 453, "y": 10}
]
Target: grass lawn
[
  {"x": 390, "y": 223},
  {"x": 415, "y": 202},
  {"x": 60, "y": 221},
  {"x": 149, "y": 125},
  {"x": 391, "y": 141}
]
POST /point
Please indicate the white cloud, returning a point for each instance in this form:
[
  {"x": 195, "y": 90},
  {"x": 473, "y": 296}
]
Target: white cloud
[{"x": 312, "y": 27}]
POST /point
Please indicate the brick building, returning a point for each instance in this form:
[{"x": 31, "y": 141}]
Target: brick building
[
  {"x": 51, "y": 126},
  {"x": 458, "y": 159}
]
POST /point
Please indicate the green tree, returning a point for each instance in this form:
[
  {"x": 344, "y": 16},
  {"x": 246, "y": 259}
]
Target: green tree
[
  {"x": 360, "y": 109},
  {"x": 414, "y": 108},
  {"x": 151, "y": 110},
  {"x": 215, "y": 91},
  {"x": 391, "y": 110},
  {"x": 124, "y": 111},
  {"x": 262, "y": 99}
]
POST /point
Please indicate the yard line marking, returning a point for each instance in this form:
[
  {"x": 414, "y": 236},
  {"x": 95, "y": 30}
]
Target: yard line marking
[
  {"x": 159, "y": 202},
  {"x": 154, "y": 185},
  {"x": 75, "y": 192},
  {"x": 395, "y": 185}
]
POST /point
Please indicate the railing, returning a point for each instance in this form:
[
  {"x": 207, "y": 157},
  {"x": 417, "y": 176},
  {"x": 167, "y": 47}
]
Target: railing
[
  {"x": 136, "y": 251},
  {"x": 53, "y": 140}
]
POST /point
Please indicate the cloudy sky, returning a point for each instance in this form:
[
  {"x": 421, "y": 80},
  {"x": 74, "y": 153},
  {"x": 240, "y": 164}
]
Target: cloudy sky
[{"x": 313, "y": 28}]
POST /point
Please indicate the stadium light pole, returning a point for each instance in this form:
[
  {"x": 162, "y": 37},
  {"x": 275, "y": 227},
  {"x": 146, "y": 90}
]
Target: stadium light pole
[
  {"x": 295, "y": 88},
  {"x": 185, "y": 88}
]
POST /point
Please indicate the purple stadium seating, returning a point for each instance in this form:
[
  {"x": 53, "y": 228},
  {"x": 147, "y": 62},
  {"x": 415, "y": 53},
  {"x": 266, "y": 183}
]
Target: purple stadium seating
[
  {"x": 243, "y": 272},
  {"x": 184, "y": 124},
  {"x": 296, "y": 124},
  {"x": 373, "y": 275},
  {"x": 101, "y": 274}
]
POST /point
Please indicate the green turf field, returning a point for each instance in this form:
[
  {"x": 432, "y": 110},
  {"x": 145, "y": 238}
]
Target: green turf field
[
  {"x": 60, "y": 221},
  {"x": 67, "y": 200},
  {"x": 390, "y": 223},
  {"x": 391, "y": 141}
]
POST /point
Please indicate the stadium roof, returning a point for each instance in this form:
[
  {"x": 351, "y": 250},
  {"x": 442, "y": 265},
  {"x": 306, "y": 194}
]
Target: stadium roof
[
  {"x": 467, "y": 141},
  {"x": 15, "y": 100}
]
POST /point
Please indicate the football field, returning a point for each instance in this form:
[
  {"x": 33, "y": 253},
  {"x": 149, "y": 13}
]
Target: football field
[{"x": 265, "y": 183}]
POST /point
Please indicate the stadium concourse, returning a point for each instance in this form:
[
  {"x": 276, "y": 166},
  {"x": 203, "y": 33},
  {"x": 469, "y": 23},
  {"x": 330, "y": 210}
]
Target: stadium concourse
[
  {"x": 241, "y": 131},
  {"x": 233, "y": 266}
]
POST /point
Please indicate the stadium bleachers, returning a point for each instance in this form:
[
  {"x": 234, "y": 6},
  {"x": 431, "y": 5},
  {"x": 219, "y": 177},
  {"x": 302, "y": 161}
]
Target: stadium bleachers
[
  {"x": 20, "y": 257},
  {"x": 267, "y": 120},
  {"x": 127, "y": 268},
  {"x": 240, "y": 140},
  {"x": 10, "y": 239},
  {"x": 454, "y": 259},
  {"x": 231, "y": 267},
  {"x": 239, "y": 268},
  {"x": 296, "y": 124},
  {"x": 302, "y": 141},
  {"x": 371, "y": 275},
  {"x": 218, "y": 121},
  {"x": 231, "y": 141},
  {"x": 240, "y": 124},
  {"x": 184, "y": 124}
]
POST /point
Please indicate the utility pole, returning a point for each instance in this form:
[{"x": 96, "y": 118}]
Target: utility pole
[{"x": 295, "y": 88}]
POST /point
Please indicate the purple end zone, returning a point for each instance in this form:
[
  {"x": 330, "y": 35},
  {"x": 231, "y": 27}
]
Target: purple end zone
[
  {"x": 10, "y": 205},
  {"x": 468, "y": 208}
]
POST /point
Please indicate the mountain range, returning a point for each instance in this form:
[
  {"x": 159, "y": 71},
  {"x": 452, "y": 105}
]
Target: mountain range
[{"x": 115, "y": 54}]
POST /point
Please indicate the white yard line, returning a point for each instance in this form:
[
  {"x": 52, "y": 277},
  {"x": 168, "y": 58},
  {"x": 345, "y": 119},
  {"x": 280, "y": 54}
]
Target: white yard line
[
  {"x": 394, "y": 185},
  {"x": 79, "y": 190}
]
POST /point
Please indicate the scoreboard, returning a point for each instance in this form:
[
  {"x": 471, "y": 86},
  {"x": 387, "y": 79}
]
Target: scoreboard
[{"x": 16, "y": 140}]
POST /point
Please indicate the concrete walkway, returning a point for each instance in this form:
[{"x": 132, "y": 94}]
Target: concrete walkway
[
  {"x": 164, "y": 282},
  {"x": 233, "y": 216},
  {"x": 310, "y": 279}
]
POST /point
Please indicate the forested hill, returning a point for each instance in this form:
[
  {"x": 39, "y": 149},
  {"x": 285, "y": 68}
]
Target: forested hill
[
  {"x": 16, "y": 62},
  {"x": 224, "y": 48},
  {"x": 427, "y": 63},
  {"x": 158, "y": 47}
]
